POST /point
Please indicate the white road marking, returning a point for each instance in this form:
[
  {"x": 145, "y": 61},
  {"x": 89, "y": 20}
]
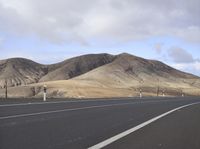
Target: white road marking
[
  {"x": 55, "y": 102},
  {"x": 75, "y": 109},
  {"x": 72, "y": 101},
  {"x": 38, "y": 103},
  {"x": 129, "y": 131},
  {"x": 64, "y": 110}
]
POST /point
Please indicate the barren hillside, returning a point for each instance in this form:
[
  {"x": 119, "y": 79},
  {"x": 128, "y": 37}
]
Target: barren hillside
[
  {"x": 20, "y": 71},
  {"x": 76, "y": 66},
  {"x": 105, "y": 75}
]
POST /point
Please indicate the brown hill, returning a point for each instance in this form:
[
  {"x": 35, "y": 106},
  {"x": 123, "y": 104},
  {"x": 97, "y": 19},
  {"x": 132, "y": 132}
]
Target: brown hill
[
  {"x": 126, "y": 66},
  {"x": 20, "y": 71},
  {"x": 76, "y": 66},
  {"x": 104, "y": 75},
  {"x": 131, "y": 72}
]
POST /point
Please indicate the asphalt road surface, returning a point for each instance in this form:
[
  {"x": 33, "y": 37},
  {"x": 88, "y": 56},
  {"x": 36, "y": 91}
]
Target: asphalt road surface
[{"x": 80, "y": 124}]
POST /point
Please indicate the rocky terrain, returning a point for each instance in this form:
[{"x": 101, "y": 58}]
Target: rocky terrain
[
  {"x": 20, "y": 71},
  {"x": 96, "y": 75}
]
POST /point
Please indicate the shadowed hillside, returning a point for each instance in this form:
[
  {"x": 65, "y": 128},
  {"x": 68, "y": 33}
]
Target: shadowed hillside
[
  {"x": 76, "y": 66},
  {"x": 20, "y": 71},
  {"x": 102, "y": 75},
  {"x": 126, "y": 66},
  {"x": 135, "y": 73}
]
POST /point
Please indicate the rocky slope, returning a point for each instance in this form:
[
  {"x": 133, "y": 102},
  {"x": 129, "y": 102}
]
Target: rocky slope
[
  {"x": 76, "y": 66},
  {"x": 20, "y": 71},
  {"x": 103, "y": 75},
  {"x": 135, "y": 73}
]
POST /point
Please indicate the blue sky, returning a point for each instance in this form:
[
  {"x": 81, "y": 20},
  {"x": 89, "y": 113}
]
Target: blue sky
[{"x": 168, "y": 31}]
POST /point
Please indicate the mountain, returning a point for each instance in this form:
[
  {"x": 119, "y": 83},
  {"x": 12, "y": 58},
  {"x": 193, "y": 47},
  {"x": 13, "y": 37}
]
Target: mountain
[
  {"x": 135, "y": 73},
  {"x": 20, "y": 71},
  {"x": 103, "y": 75},
  {"x": 128, "y": 67},
  {"x": 76, "y": 66}
]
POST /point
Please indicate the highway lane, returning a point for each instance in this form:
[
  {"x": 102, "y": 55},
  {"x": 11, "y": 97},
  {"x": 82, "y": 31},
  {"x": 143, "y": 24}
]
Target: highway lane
[
  {"x": 18, "y": 108},
  {"x": 15, "y": 107},
  {"x": 79, "y": 124},
  {"x": 179, "y": 130}
]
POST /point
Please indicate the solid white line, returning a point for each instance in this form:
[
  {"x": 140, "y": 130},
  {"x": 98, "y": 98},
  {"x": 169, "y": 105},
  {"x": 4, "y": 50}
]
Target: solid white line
[
  {"x": 129, "y": 131},
  {"x": 57, "y": 102},
  {"x": 54, "y": 102},
  {"x": 75, "y": 109},
  {"x": 83, "y": 108},
  {"x": 64, "y": 110},
  {"x": 38, "y": 103}
]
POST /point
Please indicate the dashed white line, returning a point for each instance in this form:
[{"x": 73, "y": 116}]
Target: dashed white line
[{"x": 129, "y": 131}]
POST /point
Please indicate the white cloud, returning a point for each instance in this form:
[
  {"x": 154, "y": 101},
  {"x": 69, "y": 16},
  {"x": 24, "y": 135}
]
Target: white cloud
[
  {"x": 180, "y": 55},
  {"x": 183, "y": 60},
  {"x": 180, "y": 66},
  {"x": 188, "y": 67},
  {"x": 197, "y": 66},
  {"x": 77, "y": 20}
]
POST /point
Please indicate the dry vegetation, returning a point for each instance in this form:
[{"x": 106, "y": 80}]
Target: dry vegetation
[{"x": 110, "y": 76}]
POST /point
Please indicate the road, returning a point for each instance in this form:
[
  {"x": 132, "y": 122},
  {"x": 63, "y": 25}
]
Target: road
[{"x": 79, "y": 124}]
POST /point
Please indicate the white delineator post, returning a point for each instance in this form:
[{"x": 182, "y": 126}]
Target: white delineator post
[
  {"x": 163, "y": 93},
  {"x": 140, "y": 93},
  {"x": 182, "y": 94},
  {"x": 45, "y": 93}
]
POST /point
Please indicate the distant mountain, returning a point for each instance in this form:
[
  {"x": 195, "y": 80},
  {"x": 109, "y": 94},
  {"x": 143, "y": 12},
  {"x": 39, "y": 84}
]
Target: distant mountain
[
  {"x": 128, "y": 66},
  {"x": 76, "y": 66},
  {"x": 96, "y": 75},
  {"x": 128, "y": 71},
  {"x": 20, "y": 71}
]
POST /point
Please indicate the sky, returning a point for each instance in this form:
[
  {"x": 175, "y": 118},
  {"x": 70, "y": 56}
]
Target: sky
[{"x": 49, "y": 31}]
